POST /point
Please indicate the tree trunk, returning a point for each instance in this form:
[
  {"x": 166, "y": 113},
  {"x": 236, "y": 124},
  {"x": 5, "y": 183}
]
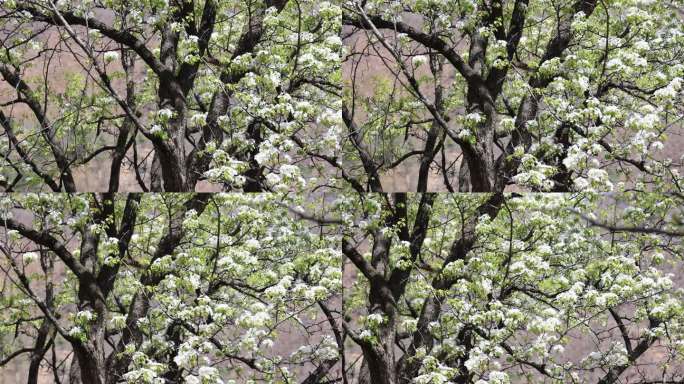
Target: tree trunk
[
  {"x": 74, "y": 371},
  {"x": 364, "y": 373},
  {"x": 463, "y": 176},
  {"x": 380, "y": 364},
  {"x": 41, "y": 346},
  {"x": 90, "y": 364},
  {"x": 155, "y": 174},
  {"x": 481, "y": 166}
]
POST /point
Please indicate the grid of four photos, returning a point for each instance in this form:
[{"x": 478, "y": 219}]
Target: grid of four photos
[{"x": 353, "y": 192}]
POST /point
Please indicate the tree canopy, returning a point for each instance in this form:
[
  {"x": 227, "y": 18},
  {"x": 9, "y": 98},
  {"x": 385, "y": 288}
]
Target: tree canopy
[
  {"x": 363, "y": 288},
  {"x": 168, "y": 288},
  {"x": 494, "y": 289},
  {"x": 171, "y": 92},
  {"x": 543, "y": 95}
]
